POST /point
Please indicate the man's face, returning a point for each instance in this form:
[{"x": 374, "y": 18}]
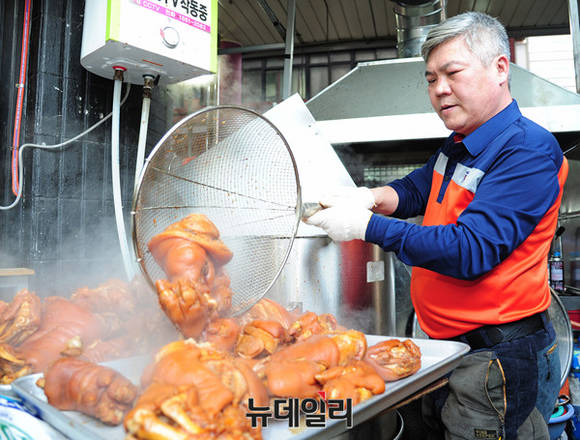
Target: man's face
[{"x": 463, "y": 91}]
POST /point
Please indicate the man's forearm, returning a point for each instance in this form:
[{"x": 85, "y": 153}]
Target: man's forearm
[{"x": 386, "y": 200}]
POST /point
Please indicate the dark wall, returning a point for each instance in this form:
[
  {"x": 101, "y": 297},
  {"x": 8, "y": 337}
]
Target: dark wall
[{"x": 64, "y": 227}]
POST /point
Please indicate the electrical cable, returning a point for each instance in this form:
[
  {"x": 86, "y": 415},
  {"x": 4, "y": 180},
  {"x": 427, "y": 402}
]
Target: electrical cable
[
  {"x": 52, "y": 147},
  {"x": 572, "y": 148},
  {"x": 20, "y": 97}
]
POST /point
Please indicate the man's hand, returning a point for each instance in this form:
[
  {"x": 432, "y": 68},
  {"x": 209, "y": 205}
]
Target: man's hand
[
  {"x": 357, "y": 197},
  {"x": 342, "y": 222}
]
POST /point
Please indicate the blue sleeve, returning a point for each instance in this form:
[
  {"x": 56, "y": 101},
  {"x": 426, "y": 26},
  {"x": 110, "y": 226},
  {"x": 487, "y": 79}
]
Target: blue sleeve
[
  {"x": 413, "y": 190},
  {"x": 511, "y": 199}
]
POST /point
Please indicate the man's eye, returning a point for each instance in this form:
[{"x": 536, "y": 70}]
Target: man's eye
[
  {"x": 453, "y": 72},
  {"x": 430, "y": 80}
]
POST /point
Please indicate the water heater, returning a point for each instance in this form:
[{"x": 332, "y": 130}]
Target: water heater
[{"x": 175, "y": 39}]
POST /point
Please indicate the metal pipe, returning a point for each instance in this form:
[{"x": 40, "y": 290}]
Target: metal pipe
[
  {"x": 251, "y": 49},
  {"x": 574, "y": 13},
  {"x": 381, "y": 273},
  {"x": 376, "y": 276},
  {"x": 148, "y": 83},
  {"x": 289, "y": 51},
  {"x": 414, "y": 20},
  {"x": 569, "y": 215},
  {"x": 390, "y": 303},
  {"x": 275, "y": 49}
]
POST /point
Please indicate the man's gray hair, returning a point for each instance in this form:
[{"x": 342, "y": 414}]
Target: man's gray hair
[{"x": 485, "y": 36}]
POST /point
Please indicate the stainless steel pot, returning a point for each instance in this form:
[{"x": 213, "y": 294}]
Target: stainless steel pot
[
  {"x": 364, "y": 287},
  {"x": 327, "y": 277}
]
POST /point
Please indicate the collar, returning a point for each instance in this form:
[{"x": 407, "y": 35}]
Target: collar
[{"x": 477, "y": 140}]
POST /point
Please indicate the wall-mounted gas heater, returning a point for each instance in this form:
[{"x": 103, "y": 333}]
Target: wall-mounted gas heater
[{"x": 174, "y": 39}]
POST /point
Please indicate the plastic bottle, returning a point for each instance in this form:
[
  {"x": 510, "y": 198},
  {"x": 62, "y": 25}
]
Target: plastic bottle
[
  {"x": 556, "y": 271},
  {"x": 555, "y": 262}
]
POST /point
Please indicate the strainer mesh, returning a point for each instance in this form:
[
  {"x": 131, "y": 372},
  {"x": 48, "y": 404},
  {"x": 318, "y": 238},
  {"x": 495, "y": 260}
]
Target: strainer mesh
[{"x": 234, "y": 166}]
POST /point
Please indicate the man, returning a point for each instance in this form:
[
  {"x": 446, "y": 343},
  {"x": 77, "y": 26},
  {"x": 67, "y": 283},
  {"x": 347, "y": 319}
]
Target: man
[{"x": 490, "y": 198}]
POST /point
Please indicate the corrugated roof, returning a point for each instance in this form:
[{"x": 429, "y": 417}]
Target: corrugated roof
[{"x": 263, "y": 22}]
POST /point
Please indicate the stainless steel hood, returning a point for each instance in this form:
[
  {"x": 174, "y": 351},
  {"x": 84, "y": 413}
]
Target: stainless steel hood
[{"x": 387, "y": 100}]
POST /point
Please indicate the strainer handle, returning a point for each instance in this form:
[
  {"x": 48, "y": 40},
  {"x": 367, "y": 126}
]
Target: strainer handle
[{"x": 310, "y": 208}]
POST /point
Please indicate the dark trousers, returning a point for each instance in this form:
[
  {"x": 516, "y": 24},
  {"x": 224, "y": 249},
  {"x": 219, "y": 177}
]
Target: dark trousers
[{"x": 507, "y": 391}]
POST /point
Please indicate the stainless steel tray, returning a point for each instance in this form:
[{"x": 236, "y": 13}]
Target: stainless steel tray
[
  {"x": 438, "y": 358},
  {"x": 6, "y": 390},
  {"x": 73, "y": 424}
]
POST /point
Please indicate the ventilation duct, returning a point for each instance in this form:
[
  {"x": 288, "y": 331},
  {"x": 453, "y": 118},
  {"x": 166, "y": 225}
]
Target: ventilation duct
[{"x": 414, "y": 20}]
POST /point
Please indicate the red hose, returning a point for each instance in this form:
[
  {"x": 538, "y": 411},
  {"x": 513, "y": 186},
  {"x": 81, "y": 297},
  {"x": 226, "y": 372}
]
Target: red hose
[{"x": 20, "y": 98}]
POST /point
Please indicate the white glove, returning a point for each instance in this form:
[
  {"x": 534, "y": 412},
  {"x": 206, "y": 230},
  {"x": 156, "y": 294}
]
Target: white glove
[
  {"x": 342, "y": 222},
  {"x": 362, "y": 197}
]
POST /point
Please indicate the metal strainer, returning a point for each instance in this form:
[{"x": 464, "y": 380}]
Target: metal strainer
[{"x": 233, "y": 165}]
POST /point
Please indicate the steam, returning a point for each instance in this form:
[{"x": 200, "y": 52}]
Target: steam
[
  {"x": 240, "y": 87},
  {"x": 88, "y": 257},
  {"x": 357, "y": 319},
  {"x": 8, "y": 260},
  {"x": 230, "y": 79}
]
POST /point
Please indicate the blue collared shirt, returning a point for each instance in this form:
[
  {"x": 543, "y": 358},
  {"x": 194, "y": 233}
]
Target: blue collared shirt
[{"x": 519, "y": 161}]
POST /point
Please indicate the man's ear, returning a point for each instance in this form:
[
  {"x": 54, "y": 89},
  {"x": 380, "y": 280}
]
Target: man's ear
[{"x": 502, "y": 65}]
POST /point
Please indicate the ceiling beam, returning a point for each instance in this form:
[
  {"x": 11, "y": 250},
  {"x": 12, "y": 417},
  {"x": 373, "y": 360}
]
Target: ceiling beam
[
  {"x": 331, "y": 46},
  {"x": 273, "y": 18},
  {"x": 537, "y": 31}
]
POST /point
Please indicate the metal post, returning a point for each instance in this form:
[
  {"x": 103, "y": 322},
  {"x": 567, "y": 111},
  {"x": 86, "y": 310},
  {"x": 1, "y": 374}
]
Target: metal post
[
  {"x": 573, "y": 10},
  {"x": 289, "y": 51},
  {"x": 390, "y": 294},
  {"x": 383, "y": 292},
  {"x": 378, "y": 291}
]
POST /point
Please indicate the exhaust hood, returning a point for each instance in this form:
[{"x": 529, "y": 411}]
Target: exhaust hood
[{"x": 387, "y": 100}]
